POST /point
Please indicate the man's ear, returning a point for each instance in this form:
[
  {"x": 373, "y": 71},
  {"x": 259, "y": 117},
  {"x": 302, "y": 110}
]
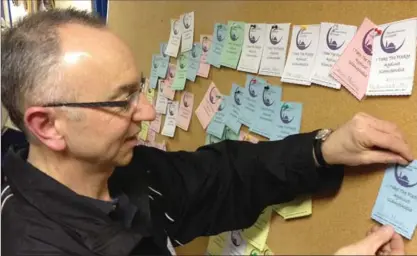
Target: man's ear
[{"x": 41, "y": 122}]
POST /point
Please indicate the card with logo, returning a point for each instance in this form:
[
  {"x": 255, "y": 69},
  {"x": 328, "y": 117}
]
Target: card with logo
[
  {"x": 185, "y": 111},
  {"x": 334, "y": 38},
  {"x": 216, "y": 126},
  {"x": 156, "y": 60},
  {"x": 297, "y": 208},
  {"x": 181, "y": 73},
  {"x": 233, "y": 46},
  {"x": 257, "y": 234},
  {"x": 187, "y": 37},
  {"x": 253, "y": 45},
  {"x": 174, "y": 38},
  {"x": 266, "y": 111},
  {"x": 299, "y": 66},
  {"x": 244, "y": 136},
  {"x": 275, "y": 49},
  {"x": 211, "y": 139},
  {"x": 288, "y": 121},
  {"x": 194, "y": 57},
  {"x": 151, "y": 135},
  {"x": 352, "y": 67},
  {"x": 156, "y": 124},
  {"x": 393, "y": 59},
  {"x": 229, "y": 134},
  {"x": 204, "y": 67},
  {"x": 161, "y": 100},
  {"x": 396, "y": 203},
  {"x": 170, "y": 119},
  {"x": 163, "y": 63},
  {"x": 144, "y": 128},
  {"x": 150, "y": 95},
  {"x": 232, "y": 118},
  {"x": 251, "y": 99},
  {"x": 217, "y": 44},
  {"x": 168, "y": 92},
  {"x": 209, "y": 105}
]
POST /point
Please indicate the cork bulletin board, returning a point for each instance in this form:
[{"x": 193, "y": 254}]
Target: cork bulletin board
[{"x": 337, "y": 220}]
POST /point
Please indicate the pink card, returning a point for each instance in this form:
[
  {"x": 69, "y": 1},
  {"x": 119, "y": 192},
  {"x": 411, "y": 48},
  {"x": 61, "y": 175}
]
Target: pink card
[
  {"x": 151, "y": 135},
  {"x": 204, "y": 68},
  {"x": 156, "y": 124},
  {"x": 185, "y": 111},
  {"x": 208, "y": 106},
  {"x": 243, "y": 136},
  {"x": 167, "y": 83},
  {"x": 352, "y": 68}
]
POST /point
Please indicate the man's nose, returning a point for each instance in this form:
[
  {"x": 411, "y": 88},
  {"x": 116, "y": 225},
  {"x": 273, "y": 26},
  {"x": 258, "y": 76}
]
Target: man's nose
[{"x": 144, "y": 110}]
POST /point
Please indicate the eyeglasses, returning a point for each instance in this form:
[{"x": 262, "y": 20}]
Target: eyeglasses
[{"x": 130, "y": 102}]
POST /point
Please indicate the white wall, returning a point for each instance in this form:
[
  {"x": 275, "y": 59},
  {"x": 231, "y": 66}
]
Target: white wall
[{"x": 79, "y": 4}]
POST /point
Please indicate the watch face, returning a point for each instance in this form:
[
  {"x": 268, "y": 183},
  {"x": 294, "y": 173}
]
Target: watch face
[{"x": 323, "y": 134}]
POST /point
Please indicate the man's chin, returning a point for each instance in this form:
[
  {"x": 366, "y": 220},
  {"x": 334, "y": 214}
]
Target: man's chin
[{"x": 125, "y": 158}]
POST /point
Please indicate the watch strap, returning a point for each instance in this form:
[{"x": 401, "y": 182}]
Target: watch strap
[{"x": 318, "y": 153}]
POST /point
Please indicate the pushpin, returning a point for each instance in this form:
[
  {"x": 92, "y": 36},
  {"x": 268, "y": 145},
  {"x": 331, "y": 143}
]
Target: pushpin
[
  {"x": 218, "y": 96},
  {"x": 378, "y": 31},
  {"x": 304, "y": 27}
]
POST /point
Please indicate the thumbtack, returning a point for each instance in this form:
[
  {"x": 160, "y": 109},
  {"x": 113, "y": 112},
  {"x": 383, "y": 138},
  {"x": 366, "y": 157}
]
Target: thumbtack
[
  {"x": 304, "y": 27},
  {"x": 378, "y": 31}
]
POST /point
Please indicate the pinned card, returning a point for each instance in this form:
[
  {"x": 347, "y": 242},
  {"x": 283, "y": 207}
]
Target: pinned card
[
  {"x": 185, "y": 111},
  {"x": 194, "y": 57},
  {"x": 181, "y": 73},
  {"x": 257, "y": 234},
  {"x": 334, "y": 38},
  {"x": 251, "y": 99},
  {"x": 156, "y": 60},
  {"x": 275, "y": 49},
  {"x": 156, "y": 123},
  {"x": 187, "y": 38},
  {"x": 163, "y": 63},
  {"x": 216, "y": 126},
  {"x": 232, "y": 118},
  {"x": 253, "y": 45},
  {"x": 168, "y": 92},
  {"x": 229, "y": 134},
  {"x": 234, "y": 43},
  {"x": 161, "y": 100},
  {"x": 151, "y": 135},
  {"x": 288, "y": 121},
  {"x": 299, "y": 66},
  {"x": 170, "y": 119},
  {"x": 211, "y": 139},
  {"x": 174, "y": 38},
  {"x": 352, "y": 67},
  {"x": 204, "y": 67},
  {"x": 209, "y": 105},
  {"x": 217, "y": 45},
  {"x": 393, "y": 59},
  {"x": 143, "y": 133}
]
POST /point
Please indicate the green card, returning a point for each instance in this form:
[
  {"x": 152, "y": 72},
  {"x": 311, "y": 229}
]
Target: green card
[
  {"x": 210, "y": 139},
  {"x": 229, "y": 134},
  {"x": 233, "y": 46},
  {"x": 181, "y": 74}
]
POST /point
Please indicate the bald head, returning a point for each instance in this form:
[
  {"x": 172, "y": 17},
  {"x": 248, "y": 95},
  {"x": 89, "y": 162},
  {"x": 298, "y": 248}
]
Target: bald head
[{"x": 31, "y": 57}]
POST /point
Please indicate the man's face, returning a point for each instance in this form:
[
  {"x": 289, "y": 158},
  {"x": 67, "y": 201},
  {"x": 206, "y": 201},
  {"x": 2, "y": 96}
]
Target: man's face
[{"x": 97, "y": 66}]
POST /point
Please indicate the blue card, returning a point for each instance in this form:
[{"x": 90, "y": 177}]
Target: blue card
[
  {"x": 230, "y": 135},
  {"x": 164, "y": 62},
  {"x": 232, "y": 117},
  {"x": 217, "y": 43},
  {"x": 210, "y": 139},
  {"x": 253, "y": 96},
  {"x": 396, "y": 204},
  {"x": 287, "y": 121},
  {"x": 194, "y": 61},
  {"x": 216, "y": 125},
  {"x": 266, "y": 111},
  {"x": 156, "y": 59}
]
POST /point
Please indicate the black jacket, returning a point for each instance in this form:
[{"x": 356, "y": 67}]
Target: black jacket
[{"x": 179, "y": 195}]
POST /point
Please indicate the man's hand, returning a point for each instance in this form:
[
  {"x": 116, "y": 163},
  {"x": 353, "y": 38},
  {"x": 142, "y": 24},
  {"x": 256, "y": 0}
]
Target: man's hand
[
  {"x": 366, "y": 140},
  {"x": 379, "y": 241}
]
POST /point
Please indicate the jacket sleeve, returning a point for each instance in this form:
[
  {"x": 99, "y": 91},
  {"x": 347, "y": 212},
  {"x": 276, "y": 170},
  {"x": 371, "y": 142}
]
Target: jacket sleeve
[{"x": 225, "y": 186}]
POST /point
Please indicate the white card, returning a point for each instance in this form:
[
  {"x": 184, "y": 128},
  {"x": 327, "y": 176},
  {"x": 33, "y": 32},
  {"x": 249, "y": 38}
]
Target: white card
[
  {"x": 275, "y": 49},
  {"x": 393, "y": 59},
  {"x": 299, "y": 66},
  {"x": 187, "y": 28},
  {"x": 170, "y": 119},
  {"x": 253, "y": 45},
  {"x": 161, "y": 100},
  {"x": 174, "y": 38},
  {"x": 333, "y": 40}
]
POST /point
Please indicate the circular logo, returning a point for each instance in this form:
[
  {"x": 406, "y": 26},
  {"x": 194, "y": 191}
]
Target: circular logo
[
  {"x": 164, "y": 47},
  {"x": 186, "y": 20},
  {"x": 213, "y": 95},
  {"x": 267, "y": 97},
  {"x": 222, "y": 105},
  {"x": 367, "y": 42},
  {"x": 285, "y": 112},
  {"x": 182, "y": 61},
  {"x": 253, "y": 34},
  {"x": 252, "y": 91},
  {"x": 389, "y": 47},
  {"x": 205, "y": 44},
  {"x": 175, "y": 27},
  {"x": 404, "y": 179},
  {"x": 236, "y": 96},
  {"x": 171, "y": 109},
  {"x": 220, "y": 32},
  {"x": 155, "y": 63},
  {"x": 331, "y": 43},
  {"x": 186, "y": 100},
  {"x": 193, "y": 51},
  {"x": 171, "y": 73},
  {"x": 273, "y": 35},
  {"x": 234, "y": 32},
  {"x": 300, "y": 43}
]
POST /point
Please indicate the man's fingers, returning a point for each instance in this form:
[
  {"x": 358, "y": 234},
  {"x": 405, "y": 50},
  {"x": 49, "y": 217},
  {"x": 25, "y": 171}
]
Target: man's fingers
[
  {"x": 397, "y": 245},
  {"x": 379, "y": 156},
  {"x": 391, "y": 143},
  {"x": 378, "y": 238}
]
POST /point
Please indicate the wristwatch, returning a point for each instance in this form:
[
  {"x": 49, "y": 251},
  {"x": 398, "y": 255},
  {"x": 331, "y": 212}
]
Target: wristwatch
[{"x": 320, "y": 137}]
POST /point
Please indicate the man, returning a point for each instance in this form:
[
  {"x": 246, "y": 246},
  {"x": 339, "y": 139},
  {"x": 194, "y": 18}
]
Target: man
[{"x": 83, "y": 187}]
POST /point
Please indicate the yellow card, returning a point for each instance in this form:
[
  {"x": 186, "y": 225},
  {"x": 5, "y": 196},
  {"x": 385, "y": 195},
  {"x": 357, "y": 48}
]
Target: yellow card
[
  {"x": 143, "y": 134},
  {"x": 216, "y": 244},
  {"x": 258, "y": 233},
  {"x": 252, "y": 251},
  {"x": 300, "y": 207}
]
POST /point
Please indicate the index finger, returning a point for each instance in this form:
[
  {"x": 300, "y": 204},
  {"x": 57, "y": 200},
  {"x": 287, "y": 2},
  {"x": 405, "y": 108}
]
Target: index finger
[{"x": 392, "y": 143}]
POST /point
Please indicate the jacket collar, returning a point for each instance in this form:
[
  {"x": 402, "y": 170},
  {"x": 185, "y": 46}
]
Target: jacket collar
[{"x": 75, "y": 213}]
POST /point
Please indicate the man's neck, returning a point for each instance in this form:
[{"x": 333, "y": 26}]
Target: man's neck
[{"x": 83, "y": 178}]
